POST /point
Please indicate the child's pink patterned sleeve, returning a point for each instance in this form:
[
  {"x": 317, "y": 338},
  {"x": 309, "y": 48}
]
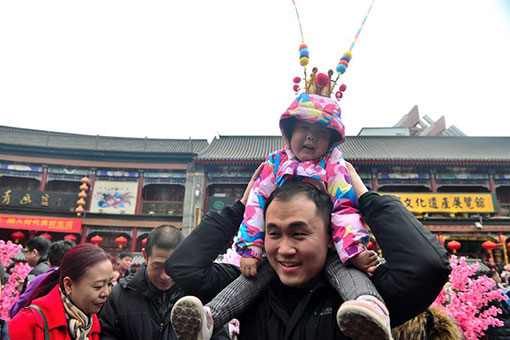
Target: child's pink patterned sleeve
[
  {"x": 250, "y": 241},
  {"x": 349, "y": 234}
]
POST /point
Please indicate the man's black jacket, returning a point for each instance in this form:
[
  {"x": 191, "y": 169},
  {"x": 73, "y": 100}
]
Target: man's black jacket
[
  {"x": 415, "y": 270},
  {"x": 131, "y": 311}
]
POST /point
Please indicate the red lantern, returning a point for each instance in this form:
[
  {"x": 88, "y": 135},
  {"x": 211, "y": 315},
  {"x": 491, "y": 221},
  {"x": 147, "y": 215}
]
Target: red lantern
[
  {"x": 454, "y": 245},
  {"x": 121, "y": 241},
  {"x": 96, "y": 240},
  {"x": 17, "y": 236},
  {"x": 144, "y": 241},
  {"x": 489, "y": 245},
  {"x": 508, "y": 245},
  {"x": 84, "y": 187},
  {"x": 46, "y": 235},
  {"x": 370, "y": 245},
  {"x": 79, "y": 210},
  {"x": 85, "y": 180},
  {"x": 70, "y": 237}
]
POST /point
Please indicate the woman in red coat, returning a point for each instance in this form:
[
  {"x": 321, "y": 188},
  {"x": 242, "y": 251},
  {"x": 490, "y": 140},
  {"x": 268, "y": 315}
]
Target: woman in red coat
[{"x": 69, "y": 298}]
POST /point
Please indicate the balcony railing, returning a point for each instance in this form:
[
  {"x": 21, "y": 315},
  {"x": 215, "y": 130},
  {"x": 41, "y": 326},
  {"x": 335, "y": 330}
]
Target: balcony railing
[{"x": 162, "y": 208}]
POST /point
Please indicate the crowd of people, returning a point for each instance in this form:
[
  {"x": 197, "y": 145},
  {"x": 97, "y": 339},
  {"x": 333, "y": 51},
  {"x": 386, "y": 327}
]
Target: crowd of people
[{"x": 73, "y": 297}]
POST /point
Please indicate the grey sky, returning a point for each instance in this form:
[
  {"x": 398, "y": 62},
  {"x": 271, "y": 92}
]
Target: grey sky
[{"x": 175, "y": 69}]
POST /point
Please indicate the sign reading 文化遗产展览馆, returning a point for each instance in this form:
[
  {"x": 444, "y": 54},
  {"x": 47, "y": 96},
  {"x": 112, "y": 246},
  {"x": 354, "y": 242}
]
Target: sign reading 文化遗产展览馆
[{"x": 448, "y": 202}]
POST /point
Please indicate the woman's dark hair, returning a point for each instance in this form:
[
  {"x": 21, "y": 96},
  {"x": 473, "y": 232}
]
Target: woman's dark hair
[{"x": 74, "y": 264}]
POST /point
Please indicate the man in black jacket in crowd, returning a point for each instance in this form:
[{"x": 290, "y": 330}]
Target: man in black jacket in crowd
[
  {"x": 300, "y": 304},
  {"x": 139, "y": 305},
  {"x": 36, "y": 254}
]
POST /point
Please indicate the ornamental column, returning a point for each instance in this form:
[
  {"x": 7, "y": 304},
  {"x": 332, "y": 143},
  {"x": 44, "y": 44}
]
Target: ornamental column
[{"x": 194, "y": 194}]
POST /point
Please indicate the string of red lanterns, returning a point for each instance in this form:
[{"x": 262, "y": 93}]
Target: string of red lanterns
[{"x": 82, "y": 195}]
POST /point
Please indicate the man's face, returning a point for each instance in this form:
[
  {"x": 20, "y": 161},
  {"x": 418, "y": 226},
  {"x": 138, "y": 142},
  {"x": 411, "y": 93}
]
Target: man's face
[
  {"x": 125, "y": 263},
  {"x": 32, "y": 256},
  {"x": 296, "y": 241},
  {"x": 156, "y": 268}
]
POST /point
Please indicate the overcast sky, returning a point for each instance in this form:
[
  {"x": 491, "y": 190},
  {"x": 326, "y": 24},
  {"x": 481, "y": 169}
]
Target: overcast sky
[{"x": 197, "y": 68}]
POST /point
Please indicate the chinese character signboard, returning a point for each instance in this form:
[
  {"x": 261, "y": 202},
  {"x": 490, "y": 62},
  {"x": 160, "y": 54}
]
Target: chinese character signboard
[
  {"x": 40, "y": 223},
  {"x": 114, "y": 197},
  {"x": 45, "y": 200},
  {"x": 448, "y": 202}
]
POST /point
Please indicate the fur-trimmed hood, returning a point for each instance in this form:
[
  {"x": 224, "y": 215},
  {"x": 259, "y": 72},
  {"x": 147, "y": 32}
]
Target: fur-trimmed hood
[{"x": 433, "y": 324}]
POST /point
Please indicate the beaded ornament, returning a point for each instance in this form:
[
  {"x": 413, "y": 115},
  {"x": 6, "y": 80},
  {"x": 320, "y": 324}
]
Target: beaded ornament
[{"x": 320, "y": 83}]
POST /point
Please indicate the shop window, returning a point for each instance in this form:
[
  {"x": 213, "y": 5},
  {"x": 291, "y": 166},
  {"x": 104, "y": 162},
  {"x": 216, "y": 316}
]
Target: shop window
[
  {"x": 163, "y": 193},
  {"x": 19, "y": 183},
  {"x": 63, "y": 186}
]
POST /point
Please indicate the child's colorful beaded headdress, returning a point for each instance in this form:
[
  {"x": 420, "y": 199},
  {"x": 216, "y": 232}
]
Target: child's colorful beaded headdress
[{"x": 320, "y": 83}]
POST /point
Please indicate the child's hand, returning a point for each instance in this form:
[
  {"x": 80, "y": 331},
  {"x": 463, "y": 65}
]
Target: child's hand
[
  {"x": 366, "y": 261},
  {"x": 249, "y": 266},
  {"x": 357, "y": 183}
]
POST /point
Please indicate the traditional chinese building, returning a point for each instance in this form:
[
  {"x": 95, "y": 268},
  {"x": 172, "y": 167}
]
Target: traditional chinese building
[
  {"x": 134, "y": 184},
  {"x": 458, "y": 186}
]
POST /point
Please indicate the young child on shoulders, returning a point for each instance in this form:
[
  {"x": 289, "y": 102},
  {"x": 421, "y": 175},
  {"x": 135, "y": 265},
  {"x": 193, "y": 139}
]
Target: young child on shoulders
[{"x": 312, "y": 129}]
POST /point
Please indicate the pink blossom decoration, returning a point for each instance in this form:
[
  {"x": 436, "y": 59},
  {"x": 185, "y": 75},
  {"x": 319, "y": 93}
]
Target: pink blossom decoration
[
  {"x": 463, "y": 298},
  {"x": 10, "y": 294}
]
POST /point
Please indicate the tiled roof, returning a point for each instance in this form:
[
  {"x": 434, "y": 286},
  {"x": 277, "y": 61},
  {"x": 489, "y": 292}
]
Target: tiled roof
[
  {"x": 371, "y": 148},
  {"x": 246, "y": 148},
  {"x": 58, "y": 140}
]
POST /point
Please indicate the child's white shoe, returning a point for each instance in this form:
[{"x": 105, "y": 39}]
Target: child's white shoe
[
  {"x": 191, "y": 320},
  {"x": 364, "y": 318}
]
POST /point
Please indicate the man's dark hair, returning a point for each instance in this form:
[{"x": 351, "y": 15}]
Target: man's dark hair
[
  {"x": 165, "y": 237},
  {"x": 57, "y": 251},
  {"x": 491, "y": 274},
  {"x": 291, "y": 189},
  {"x": 125, "y": 254},
  {"x": 42, "y": 245}
]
